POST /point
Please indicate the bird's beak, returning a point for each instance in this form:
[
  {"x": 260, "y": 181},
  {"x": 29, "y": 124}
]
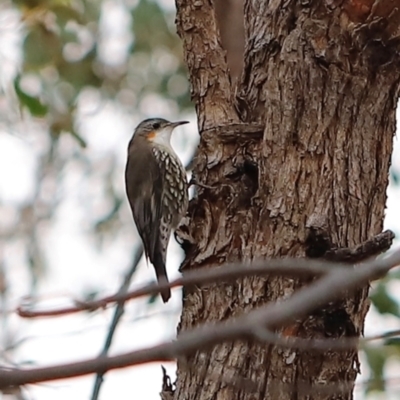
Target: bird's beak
[{"x": 175, "y": 124}]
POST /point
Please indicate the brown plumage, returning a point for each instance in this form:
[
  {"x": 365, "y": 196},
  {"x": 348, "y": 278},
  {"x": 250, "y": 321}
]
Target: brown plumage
[{"x": 157, "y": 190}]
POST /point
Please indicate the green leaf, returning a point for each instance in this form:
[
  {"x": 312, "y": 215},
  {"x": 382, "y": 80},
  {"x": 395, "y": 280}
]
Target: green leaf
[
  {"x": 394, "y": 342},
  {"x": 150, "y": 27},
  {"x": 41, "y": 48},
  {"x": 376, "y": 358},
  {"x": 394, "y": 175},
  {"x": 152, "y": 299},
  {"x": 33, "y": 104},
  {"x": 383, "y": 302},
  {"x": 80, "y": 73},
  {"x": 65, "y": 13},
  {"x": 80, "y": 139}
]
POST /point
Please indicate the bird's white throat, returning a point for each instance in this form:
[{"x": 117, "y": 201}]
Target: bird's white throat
[{"x": 163, "y": 138}]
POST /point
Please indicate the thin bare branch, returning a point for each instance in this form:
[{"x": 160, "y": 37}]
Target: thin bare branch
[
  {"x": 284, "y": 267},
  {"x": 272, "y": 316},
  {"x": 119, "y": 311}
]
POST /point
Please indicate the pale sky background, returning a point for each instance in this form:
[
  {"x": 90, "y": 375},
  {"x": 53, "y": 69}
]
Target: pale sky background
[{"x": 76, "y": 266}]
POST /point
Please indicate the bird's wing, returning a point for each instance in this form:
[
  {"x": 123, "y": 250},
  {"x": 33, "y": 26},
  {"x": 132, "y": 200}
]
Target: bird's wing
[{"x": 144, "y": 182}]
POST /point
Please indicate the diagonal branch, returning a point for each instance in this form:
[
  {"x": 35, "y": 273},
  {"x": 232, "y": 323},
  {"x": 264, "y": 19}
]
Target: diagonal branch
[
  {"x": 119, "y": 311},
  {"x": 272, "y": 316},
  {"x": 291, "y": 268},
  {"x": 286, "y": 268},
  {"x": 283, "y": 267}
]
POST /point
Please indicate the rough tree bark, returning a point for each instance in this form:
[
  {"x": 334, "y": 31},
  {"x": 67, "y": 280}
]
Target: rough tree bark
[
  {"x": 304, "y": 137},
  {"x": 229, "y": 16}
]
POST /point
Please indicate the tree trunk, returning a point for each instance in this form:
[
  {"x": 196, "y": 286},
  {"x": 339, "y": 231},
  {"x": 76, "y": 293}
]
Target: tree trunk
[{"x": 305, "y": 138}]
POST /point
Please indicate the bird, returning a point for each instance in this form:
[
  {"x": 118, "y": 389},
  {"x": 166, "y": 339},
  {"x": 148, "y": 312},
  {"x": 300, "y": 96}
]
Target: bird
[{"x": 157, "y": 190}]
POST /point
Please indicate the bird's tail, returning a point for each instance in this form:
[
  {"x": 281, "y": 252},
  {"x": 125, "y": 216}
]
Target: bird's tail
[{"x": 161, "y": 273}]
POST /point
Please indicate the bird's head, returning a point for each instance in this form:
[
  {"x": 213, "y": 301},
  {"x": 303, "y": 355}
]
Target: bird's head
[{"x": 157, "y": 130}]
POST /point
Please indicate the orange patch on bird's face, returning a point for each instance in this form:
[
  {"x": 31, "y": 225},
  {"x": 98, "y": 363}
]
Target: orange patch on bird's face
[{"x": 151, "y": 135}]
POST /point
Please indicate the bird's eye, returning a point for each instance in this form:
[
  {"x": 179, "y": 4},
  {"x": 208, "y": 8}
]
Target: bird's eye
[{"x": 156, "y": 125}]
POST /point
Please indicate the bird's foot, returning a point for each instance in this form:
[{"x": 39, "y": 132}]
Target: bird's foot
[
  {"x": 194, "y": 182},
  {"x": 182, "y": 233}
]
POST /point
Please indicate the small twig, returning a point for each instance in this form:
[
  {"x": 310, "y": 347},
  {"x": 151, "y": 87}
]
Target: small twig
[
  {"x": 118, "y": 313},
  {"x": 167, "y": 389},
  {"x": 194, "y": 182},
  {"x": 319, "y": 245},
  {"x": 370, "y": 248}
]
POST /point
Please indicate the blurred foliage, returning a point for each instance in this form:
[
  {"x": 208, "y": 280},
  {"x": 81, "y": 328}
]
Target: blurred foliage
[
  {"x": 124, "y": 53},
  {"x": 73, "y": 61},
  {"x": 60, "y": 50},
  {"x": 383, "y": 301},
  {"x": 376, "y": 357},
  {"x": 34, "y": 105},
  {"x": 394, "y": 176},
  {"x": 379, "y": 355}
]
